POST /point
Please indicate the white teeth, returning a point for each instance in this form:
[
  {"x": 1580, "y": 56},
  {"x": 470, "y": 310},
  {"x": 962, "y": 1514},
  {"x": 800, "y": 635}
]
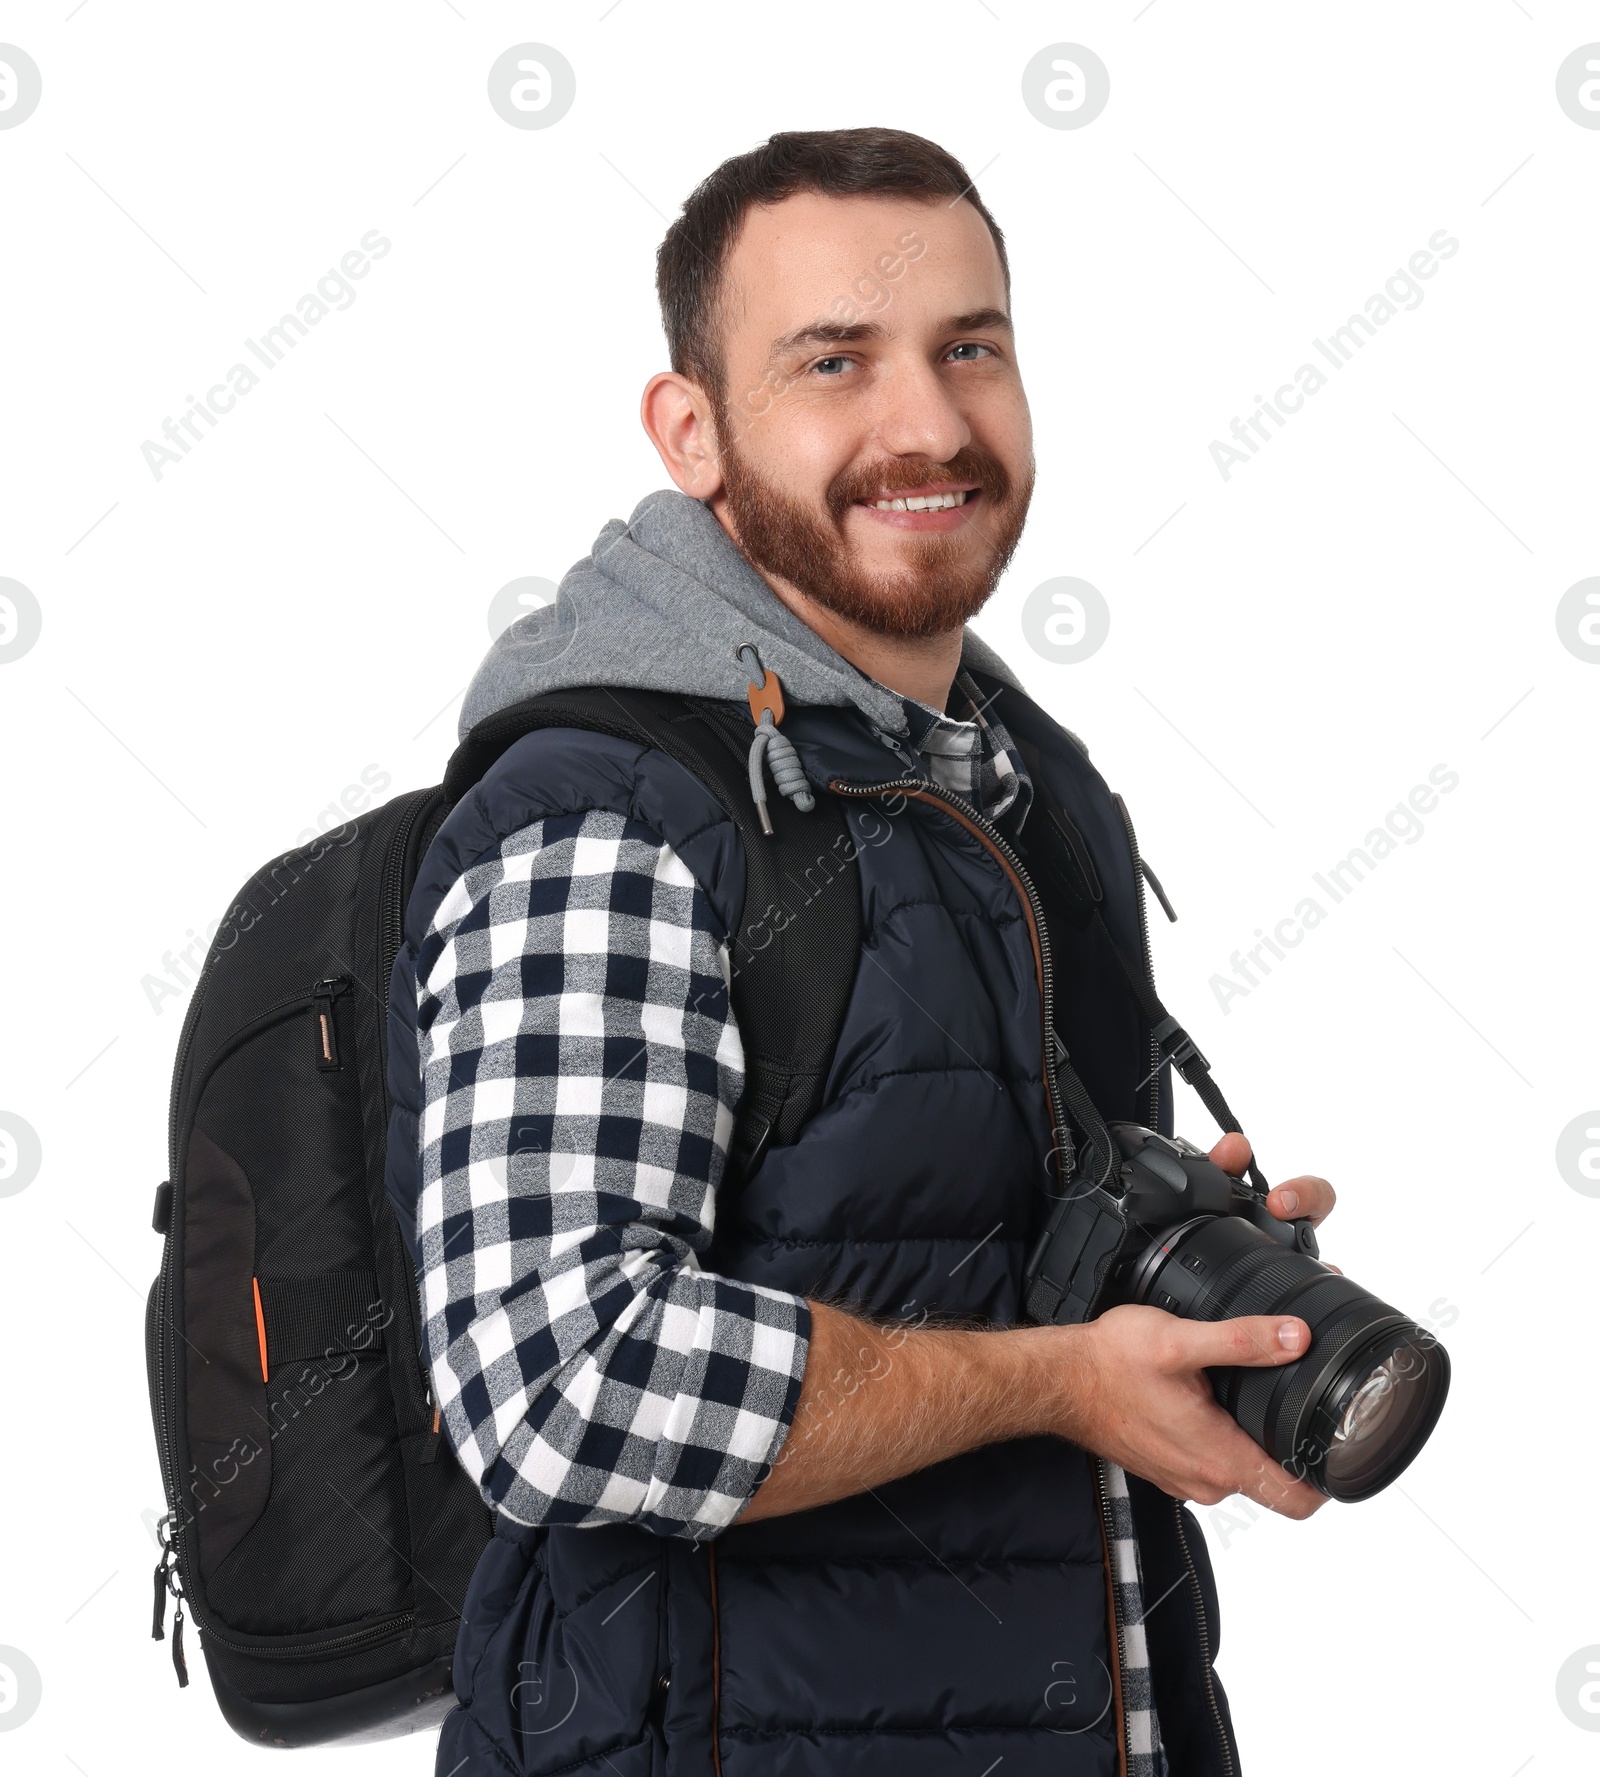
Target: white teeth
[{"x": 922, "y": 502}]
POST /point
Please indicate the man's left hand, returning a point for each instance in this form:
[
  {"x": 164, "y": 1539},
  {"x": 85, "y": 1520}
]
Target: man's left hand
[{"x": 1305, "y": 1196}]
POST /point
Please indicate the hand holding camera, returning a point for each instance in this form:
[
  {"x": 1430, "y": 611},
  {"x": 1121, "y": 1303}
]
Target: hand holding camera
[
  {"x": 1185, "y": 1282},
  {"x": 1140, "y": 1395}
]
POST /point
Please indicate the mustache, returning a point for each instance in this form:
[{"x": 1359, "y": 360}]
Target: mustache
[{"x": 871, "y": 481}]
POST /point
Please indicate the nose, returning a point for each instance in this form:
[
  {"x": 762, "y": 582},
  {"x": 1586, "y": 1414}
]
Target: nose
[{"x": 917, "y": 415}]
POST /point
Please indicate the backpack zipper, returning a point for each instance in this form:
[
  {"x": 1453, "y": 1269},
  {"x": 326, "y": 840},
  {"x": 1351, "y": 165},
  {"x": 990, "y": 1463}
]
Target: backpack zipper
[
  {"x": 170, "y": 1570},
  {"x": 324, "y": 997},
  {"x": 176, "y": 1567},
  {"x": 170, "y": 1574},
  {"x": 391, "y": 919},
  {"x": 391, "y": 932},
  {"x": 984, "y": 830},
  {"x": 191, "y": 1017},
  {"x": 186, "y": 1036}
]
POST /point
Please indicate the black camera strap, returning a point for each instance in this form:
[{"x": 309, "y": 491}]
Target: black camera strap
[
  {"x": 1071, "y": 866},
  {"x": 1084, "y": 1230},
  {"x": 1084, "y": 1112},
  {"x": 1176, "y": 1045}
]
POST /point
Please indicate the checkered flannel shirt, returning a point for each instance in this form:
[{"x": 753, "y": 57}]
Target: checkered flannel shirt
[
  {"x": 970, "y": 753},
  {"x": 581, "y": 1067}
]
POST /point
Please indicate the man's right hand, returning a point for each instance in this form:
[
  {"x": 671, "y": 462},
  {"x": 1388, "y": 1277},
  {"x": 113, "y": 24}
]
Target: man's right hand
[
  {"x": 877, "y": 1402},
  {"x": 1134, "y": 1389}
]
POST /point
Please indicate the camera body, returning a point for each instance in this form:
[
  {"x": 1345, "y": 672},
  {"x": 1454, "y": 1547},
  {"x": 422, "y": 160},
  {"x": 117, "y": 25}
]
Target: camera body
[
  {"x": 1099, "y": 1247},
  {"x": 1165, "y": 1226}
]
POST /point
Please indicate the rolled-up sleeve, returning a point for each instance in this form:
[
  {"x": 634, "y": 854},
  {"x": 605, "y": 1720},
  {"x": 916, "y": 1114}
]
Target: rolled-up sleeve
[{"x": 580, "y": 1069}]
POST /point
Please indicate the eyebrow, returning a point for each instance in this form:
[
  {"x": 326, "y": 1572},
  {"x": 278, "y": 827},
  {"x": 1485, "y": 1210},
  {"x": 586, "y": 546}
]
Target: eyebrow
[{"x": 839, "y": 333}]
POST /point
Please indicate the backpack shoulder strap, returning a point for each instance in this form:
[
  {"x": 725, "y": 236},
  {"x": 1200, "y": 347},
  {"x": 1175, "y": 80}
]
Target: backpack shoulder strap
[{"x": 797, "y": 944}]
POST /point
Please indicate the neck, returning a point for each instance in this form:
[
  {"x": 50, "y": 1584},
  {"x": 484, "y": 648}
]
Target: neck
[{"x": 922, "y": 667}]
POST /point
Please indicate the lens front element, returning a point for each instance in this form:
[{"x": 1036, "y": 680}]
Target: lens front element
[
  {"x": 1383, "y": 1417},
  {"x": 1349, "y": 1415}
]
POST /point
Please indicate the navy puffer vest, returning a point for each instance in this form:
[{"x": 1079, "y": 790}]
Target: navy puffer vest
[{"x": 958, "y": 1616}]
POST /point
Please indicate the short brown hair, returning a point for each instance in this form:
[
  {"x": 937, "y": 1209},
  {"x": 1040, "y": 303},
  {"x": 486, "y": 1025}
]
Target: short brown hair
[{"x": 836, "y": 163}]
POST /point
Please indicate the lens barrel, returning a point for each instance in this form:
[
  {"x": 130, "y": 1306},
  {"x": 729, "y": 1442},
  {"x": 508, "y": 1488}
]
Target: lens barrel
[{"x": 1349, "y": 1415}]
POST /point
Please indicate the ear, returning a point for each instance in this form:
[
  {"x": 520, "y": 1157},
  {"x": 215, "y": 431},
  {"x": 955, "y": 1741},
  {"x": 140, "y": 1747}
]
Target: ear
[{"x": 676, "y": 413}]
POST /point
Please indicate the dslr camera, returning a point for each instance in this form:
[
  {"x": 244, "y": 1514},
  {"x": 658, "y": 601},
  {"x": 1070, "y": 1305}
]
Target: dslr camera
[{"x": 1167, "y": 1227}]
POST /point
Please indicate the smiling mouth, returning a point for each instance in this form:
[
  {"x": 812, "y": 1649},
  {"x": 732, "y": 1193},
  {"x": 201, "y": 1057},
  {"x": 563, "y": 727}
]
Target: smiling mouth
[{"x": 937, "y": 502}]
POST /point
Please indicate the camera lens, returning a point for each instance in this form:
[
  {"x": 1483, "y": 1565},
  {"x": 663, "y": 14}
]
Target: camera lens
[
  {"x": 1349, "y": 1415},
  {"x": 1382, "y": 1417},
  {"x": 1371, "y": 1407}
]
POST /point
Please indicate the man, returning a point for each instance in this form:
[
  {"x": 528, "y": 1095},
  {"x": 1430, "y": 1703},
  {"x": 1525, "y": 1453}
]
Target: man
[{"x": 781, "y": 1484}]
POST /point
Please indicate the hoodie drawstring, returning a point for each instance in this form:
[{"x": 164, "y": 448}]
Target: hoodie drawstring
[{"x": 770, "y": 745}]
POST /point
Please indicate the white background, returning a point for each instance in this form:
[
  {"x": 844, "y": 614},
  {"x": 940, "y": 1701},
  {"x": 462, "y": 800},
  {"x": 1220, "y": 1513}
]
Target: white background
[{"x": 225, "y": 649}]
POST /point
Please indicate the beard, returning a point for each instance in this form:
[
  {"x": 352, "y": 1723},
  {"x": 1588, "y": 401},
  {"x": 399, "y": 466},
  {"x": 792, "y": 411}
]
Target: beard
[{"x": 945, "y": 581}]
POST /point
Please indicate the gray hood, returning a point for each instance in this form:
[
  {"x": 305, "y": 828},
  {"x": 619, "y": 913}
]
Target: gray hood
[{"x": 661, "y": 604}]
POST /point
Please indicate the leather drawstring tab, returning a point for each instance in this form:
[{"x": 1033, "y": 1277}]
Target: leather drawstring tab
[{"x": 770, "y": 746}]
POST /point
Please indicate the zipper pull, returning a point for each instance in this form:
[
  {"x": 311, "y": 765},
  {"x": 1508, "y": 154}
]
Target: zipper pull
[
  {"x": 163, "y": 1584},
  {"x": 1161, "y": 894},
  {"x": 324, "y": 996},
  {"x": 430, "y": 1450},
  {"x": 179, "y": 1665},
  {"x": 167, "y": 1581}
]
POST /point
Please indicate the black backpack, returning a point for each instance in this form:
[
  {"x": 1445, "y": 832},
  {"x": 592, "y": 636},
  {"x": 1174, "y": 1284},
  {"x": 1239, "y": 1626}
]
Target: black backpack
[{"x": 318, "y": 1530}]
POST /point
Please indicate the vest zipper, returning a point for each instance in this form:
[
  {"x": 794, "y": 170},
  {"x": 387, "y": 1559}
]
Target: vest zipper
[
  {"x": 989, "y": 835},
  {"x": 1120, "y": 1649},
  {"x": 1155, "y": 1111},
  {"x": 716, "y": 1662},
  {"x": 1205, "y": 1639}
]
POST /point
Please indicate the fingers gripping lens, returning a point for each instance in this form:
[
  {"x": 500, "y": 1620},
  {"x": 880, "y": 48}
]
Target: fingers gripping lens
[{"x": 1352, "y": 1411}]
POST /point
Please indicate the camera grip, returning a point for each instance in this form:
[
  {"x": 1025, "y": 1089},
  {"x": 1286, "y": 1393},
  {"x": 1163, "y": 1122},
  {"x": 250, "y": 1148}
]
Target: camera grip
[
  {"x": 1298, "y": 1235},
  {"x": 1072, "y": 1256}
]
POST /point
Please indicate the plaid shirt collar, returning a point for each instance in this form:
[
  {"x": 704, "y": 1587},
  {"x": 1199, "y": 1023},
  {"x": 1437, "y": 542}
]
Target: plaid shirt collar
[{"x": 971, "y": 754}]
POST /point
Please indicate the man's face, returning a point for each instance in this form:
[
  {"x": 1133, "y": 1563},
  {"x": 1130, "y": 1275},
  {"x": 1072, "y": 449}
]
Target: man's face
[{"x": 868, "y": 360}]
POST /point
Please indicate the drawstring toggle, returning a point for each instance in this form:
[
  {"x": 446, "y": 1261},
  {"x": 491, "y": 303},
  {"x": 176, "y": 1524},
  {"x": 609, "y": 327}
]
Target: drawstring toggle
[{"x": 770, "y": 745}]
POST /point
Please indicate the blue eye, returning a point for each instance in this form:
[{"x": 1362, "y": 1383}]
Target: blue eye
[
  {"x": 822, "y": 365},
  {"x": 971, "y": 345}
]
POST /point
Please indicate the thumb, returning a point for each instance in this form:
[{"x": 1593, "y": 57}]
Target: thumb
[
  {"x": 1257, "y": 1340},
  {"x": 1232, "y": 1154}
]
